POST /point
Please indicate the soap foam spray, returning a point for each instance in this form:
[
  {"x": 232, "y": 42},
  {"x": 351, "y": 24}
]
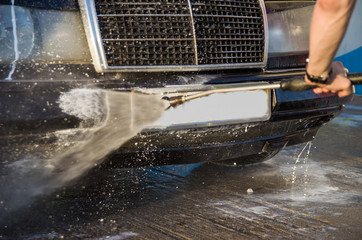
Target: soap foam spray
[{"x": 119, "y": 116}]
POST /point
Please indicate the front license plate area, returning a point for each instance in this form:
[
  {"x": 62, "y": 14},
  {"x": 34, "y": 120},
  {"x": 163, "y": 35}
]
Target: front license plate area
[{"x": 218, "y": 109}]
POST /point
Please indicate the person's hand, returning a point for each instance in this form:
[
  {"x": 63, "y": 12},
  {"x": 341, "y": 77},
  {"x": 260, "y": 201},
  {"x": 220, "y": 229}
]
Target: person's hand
[{"x": 337, "y": 83}]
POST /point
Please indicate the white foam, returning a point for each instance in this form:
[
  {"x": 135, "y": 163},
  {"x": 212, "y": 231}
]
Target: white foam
[
  {"x": 83, "y": 103},
  {"x": 310, "y": 182},
  {"x": 120, "y": 236},
  {"x": 258, "y": 210}
]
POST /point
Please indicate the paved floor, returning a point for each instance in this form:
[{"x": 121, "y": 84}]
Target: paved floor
[{"x": 310, "y": 191}]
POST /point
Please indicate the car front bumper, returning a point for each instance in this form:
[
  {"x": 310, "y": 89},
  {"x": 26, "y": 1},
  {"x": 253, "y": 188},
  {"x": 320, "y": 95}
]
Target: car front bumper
[
  {"x": 31, "y": 121},
  {"x": 291, "y": 122}
]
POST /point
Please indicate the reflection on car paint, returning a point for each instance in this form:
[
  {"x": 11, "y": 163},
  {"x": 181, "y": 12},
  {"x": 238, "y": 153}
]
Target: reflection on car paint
[{"x": 15, "y": 34}]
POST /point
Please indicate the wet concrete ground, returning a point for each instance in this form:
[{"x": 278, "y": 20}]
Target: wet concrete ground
[{"x": 310, "y": 191}]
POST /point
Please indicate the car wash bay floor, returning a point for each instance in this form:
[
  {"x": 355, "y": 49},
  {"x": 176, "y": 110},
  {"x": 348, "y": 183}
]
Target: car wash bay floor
[{"x": 310, "y": 191}]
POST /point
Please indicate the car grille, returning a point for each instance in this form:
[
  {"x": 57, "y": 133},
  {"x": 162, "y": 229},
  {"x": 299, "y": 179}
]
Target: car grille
[{"x": 164, "y": 33}]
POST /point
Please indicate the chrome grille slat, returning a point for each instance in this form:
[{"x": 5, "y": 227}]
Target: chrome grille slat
[
  {"x": 177, "y": 34},
  {"x": 154, "y": 39},
  {"x": 143, "y": 15},
  {"x": 230, "y": 39}
]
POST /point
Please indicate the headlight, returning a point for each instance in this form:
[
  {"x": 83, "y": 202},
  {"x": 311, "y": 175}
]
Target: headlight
[
  {"x": 42, "y": 35},
  {"x": 24, "y": 37},
  {"x": 62, "y": 36},
  {"x": 289, "y": 30},
  {"x": 289, "y": 35}
]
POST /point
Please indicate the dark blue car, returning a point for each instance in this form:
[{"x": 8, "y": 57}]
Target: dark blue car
[{"x": 65, "y": 65}]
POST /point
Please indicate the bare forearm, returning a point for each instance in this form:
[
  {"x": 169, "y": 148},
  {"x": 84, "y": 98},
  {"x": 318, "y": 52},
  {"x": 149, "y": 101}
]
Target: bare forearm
[{"x": 329, "y": 23}]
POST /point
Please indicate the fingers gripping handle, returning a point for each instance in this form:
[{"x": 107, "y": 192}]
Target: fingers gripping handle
[
  {"x": 298, "y": 84},
  {"x": 295, "y": 85}
]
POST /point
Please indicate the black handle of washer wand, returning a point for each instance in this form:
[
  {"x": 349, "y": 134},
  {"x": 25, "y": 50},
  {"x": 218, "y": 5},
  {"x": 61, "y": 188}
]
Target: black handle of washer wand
[{"x": 298, "y": 84}]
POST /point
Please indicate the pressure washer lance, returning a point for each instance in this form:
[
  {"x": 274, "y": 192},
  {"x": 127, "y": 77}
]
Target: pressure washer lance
[{"x": 295, "y": 84}]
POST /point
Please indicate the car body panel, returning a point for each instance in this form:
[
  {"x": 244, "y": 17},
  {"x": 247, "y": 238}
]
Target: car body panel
[{"x": 33, "y": 122}]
